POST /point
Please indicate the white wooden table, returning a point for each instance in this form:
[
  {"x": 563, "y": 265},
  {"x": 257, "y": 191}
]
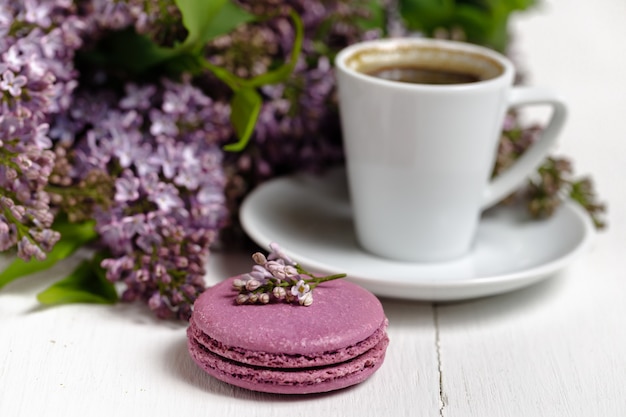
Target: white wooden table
[{"x": 554, "y": 349}]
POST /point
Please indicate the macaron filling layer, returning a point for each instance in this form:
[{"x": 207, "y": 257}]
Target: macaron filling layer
[{"x": 283, "y": 360}]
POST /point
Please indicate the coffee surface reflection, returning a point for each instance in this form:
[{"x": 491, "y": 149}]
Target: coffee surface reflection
[{"x": 417, "y": 75}]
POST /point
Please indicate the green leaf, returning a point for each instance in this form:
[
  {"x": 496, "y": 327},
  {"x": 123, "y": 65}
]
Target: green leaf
[
  {"x": 426, "y": 15},
  {"x": 245, "y": 107},
  {"x": 479, "y": 25},
  {"x": 73, "y": 236},
  {"x": 483, "y": 21},
  {"x": 377, "y": 16},
  {"x": 227, "y": 18},
  {"x": 206, "y": 19},
  {"x": 197, "y": 14},
  {"x": 86, "y": 284}
]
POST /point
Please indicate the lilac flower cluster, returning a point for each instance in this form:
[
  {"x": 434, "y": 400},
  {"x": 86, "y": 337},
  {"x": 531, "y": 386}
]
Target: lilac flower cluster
[
  {"x": 277, "y": 276},
  {"x": 38, "y": 40},
  {"x": 146, "y": 166},
  {"x": 298, "y": 126},
  {"x": 554, "y": 178},
  {"x": 160, "y": 144}
]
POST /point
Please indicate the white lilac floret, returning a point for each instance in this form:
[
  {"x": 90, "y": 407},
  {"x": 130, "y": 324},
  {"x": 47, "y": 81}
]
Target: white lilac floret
[
  {"x": 306, "y": 299},
  {"x": 283, "y": 280}
]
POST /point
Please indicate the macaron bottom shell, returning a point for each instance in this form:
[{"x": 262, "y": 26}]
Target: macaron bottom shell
[{"x": 292, "y": 380}]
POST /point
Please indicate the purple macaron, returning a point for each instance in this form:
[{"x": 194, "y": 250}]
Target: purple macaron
[{"x": 338, "y": 341}]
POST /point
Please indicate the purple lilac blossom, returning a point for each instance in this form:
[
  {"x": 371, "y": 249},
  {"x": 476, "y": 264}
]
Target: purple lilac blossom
[
  {"x": 38, "y": 40},
  {"x": 161, "y": 143}
]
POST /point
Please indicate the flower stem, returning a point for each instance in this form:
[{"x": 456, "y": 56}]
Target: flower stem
[{"x": 315, "y": 280}]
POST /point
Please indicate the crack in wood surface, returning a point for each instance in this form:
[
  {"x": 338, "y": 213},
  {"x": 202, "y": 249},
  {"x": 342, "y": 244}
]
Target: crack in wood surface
[{"x": 442, "y": 396}]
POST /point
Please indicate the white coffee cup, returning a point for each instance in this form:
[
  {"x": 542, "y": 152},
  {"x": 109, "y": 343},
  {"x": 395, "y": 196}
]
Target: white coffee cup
[{"x": 419, "y": 156}]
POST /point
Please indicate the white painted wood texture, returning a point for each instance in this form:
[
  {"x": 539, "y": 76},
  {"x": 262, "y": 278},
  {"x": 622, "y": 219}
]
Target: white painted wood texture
[
  {"x": 79, "y": 360},
  {"x": 554, "y": 349},
  {"x": 558, "y": 348}
]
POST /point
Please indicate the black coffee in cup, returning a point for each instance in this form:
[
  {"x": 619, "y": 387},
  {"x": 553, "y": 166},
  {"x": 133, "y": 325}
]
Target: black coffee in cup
[
  {"x": 424, "y": 65},
  {"x": 417, "y": 75}
]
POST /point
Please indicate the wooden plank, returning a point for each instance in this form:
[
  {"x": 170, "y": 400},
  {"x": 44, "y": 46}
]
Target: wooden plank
[{"x": 558, "y": 348}]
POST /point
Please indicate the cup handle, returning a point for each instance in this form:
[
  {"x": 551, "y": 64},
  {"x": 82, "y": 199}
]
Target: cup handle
[{"x": 505, "y": 183}]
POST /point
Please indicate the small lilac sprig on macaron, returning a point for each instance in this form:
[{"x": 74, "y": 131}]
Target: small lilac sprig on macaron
[{"x": 277, "y": 277}]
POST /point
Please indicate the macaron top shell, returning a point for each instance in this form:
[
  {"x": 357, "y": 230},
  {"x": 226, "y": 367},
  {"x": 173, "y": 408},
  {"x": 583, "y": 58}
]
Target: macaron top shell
[{"x": 342, "y": 315}]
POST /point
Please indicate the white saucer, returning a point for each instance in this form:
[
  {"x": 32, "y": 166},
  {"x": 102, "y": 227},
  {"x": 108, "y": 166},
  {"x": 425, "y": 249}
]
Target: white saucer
[{"x": 311, "y": 219}]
